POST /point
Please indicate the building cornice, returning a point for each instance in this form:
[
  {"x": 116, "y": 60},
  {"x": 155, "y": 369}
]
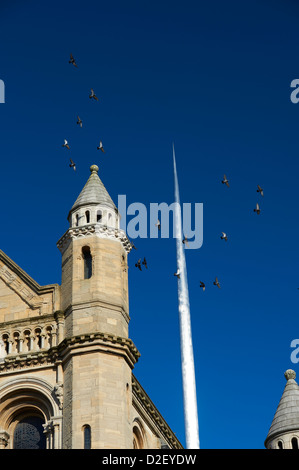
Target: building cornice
[
  {"x": 105, "y": 342},
  {"x": 100, "y": 230}
]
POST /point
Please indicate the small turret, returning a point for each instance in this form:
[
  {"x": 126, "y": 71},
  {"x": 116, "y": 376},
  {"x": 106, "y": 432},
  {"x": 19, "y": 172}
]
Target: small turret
[
  {"x": 94, "y": 204},
  {"x": 94, "y": 263},
  {"x": 284, "y": 430}
]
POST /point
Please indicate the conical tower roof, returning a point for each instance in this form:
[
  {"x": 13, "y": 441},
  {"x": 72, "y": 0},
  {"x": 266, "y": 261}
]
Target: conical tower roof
[
  {"x": 94, "y": 192},
  {"x": 286, "y": 417}
]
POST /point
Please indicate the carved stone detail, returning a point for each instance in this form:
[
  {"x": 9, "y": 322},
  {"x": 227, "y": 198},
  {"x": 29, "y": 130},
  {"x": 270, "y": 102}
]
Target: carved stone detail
[
  {"x": 58, "y": 392},
  {"x": 100, "y": 230}
]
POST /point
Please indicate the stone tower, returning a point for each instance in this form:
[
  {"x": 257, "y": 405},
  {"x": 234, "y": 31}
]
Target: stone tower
[
  {"x": 94, "y": 292},
  {"x": 284, "y": 430},
  {"x": 66, "y": 359}
]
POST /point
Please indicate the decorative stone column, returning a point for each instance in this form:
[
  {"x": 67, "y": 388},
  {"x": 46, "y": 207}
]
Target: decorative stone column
[
  {"x": 48, "y": 430},
  {"x": 56, "y": 435},
  {"x": 59, "y": 317},
  {"x": 54, "y": 336}
]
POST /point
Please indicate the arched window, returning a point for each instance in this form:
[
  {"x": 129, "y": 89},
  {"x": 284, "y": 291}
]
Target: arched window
[
  {"x": 280, "y": 446},
  {"x": 77, "y": 220},
  {"x": 87, "y": 262},
  {"x": 99, "y": 216},
  {"x": 138, "y": 442},
  {"x": 49, "y": 336},
  {"x": 294, "y": 443},
  {"x": 38, "y": 338},
  {"x": 16, "y": 339},
  {"x": 6, "y": 343},
  {"x": 27, "y": 342},
  {"x": 87, "y": 215},
  {"x": 29, "y": 434},
  {"x": 86, "y": 436}
]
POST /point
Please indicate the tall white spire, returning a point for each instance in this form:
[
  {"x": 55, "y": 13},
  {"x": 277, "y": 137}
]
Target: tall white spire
[{"x": 188, "y": 372}]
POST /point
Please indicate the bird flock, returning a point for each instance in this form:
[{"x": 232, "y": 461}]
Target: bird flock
[
  {"x": 224, "y": 236},
  {"x": 100, "y": 147},
  {"x": 92, "y": 96}
]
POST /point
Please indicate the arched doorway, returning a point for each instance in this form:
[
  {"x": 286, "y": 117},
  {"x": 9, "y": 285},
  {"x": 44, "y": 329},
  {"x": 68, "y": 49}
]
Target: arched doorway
[
  {"x": 29, "y": 433},
  {"x": 27, "y": 409}
]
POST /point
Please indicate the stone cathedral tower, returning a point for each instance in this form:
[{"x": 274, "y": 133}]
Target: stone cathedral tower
[{"x": 66, "y": 359}]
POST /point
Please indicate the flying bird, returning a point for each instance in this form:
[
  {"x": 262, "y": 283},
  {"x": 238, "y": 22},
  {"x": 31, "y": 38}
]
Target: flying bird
[
  {"x": 223, "y": 236},
  {"x": 72, "y": 164},
  {"x": 79, "y": 121},
  {"x": 225, "y": 181},
  {"x": 185, "y": 241},
  {"x": 158, "y": 224},
  {"x": 100, "y": 147},
  {"x": 260, "y": 190},
  {"x": 177, "y": 274},
  {"x": 202, "y": 284},
  {"x": 257, "y": 209},
  {"x": 72, "y": 61},
  {"x": 144, "y": 262},
  {"x": 138, "y": 264},
  {"x": 216, "y": 282},
  {"x": 93, "y": 95},
  {"x": 66, "y": 144}
]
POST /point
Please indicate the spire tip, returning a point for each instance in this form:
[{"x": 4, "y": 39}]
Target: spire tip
[{"x": 94, "y": 168}]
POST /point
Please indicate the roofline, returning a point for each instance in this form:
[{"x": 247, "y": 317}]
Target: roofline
[
  {"x": 282, "y": 431},
  {"x": 37, "y": 288},
  {"x": 151, "y": 410}
]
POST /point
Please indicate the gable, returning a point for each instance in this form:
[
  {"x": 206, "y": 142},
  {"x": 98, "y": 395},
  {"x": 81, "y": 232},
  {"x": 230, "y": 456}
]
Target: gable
[
  {"x": 12, "y": 305},
  {"x": 20, "y": 296}
]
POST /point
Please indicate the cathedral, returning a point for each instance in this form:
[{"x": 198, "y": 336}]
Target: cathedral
[{"x": 66, "y": 359}]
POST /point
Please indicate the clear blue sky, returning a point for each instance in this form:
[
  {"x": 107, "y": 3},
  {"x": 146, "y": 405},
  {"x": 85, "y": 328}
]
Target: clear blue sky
[{"x": 214, "y": 77}]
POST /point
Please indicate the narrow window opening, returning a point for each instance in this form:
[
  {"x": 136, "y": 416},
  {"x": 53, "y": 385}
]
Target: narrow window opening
[
  {"x": 294, "y": 443},
  {"x": 38, "y": 338},
  {"x": 87, "y": 262},
  {"x": 6, "y": 343},
  {"x": 87, "y": 436},
  {"x": 16, "y": 337},
  {"x": 49, "y": 336},
  {"x": 99, "y": 216},
  {"x": 87, "y": 215},
  {"x": 77, "y": 220},
  {"x": 27, "y": 340},
  {"x": 280, "y": 446}
]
